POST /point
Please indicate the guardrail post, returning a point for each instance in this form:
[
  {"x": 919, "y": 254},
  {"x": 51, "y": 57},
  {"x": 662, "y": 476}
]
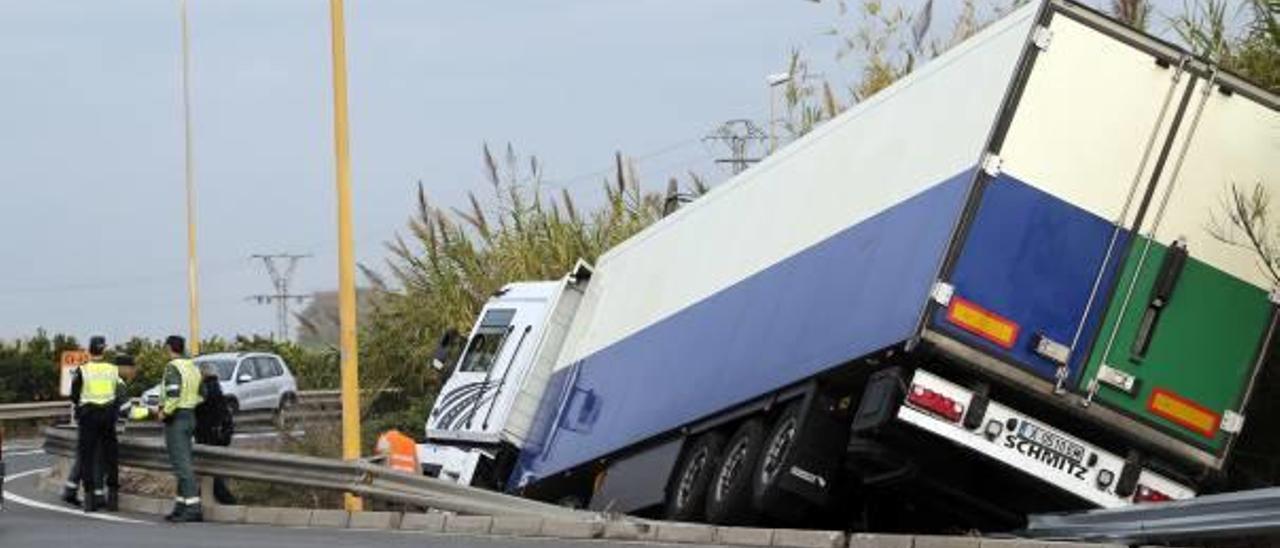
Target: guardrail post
[{"x": 207, "y": 498}]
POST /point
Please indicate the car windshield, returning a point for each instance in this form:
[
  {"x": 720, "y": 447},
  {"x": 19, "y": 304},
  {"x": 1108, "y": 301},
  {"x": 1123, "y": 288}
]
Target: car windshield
[{"x": 223, "y": 367}]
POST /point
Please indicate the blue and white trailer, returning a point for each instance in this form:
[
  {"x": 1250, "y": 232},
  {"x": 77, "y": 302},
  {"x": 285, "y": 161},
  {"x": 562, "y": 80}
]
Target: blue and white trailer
[{"x": 993, "y": 286}]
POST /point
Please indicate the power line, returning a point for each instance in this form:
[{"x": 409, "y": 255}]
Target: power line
[
  {"x": 280, "y": 278},
  {"x": 565, "y": 182}
]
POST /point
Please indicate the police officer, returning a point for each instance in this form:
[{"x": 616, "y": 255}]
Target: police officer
[
  {"x": 181, "y": 393},
  {"x": 98, "y": 391}
]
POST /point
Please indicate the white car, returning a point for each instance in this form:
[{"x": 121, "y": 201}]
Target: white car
[{"x": 250, "y": 380}]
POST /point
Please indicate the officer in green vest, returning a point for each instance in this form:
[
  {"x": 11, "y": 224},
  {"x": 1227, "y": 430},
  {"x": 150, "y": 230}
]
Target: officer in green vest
[
  {"x": 98, "y": 391},
  {"x": 180, "y": 393}
]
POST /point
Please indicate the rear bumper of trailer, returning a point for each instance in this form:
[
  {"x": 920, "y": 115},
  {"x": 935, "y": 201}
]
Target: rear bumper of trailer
[
  {"x": 1096, "y": 415},
  {"x": 1031, "y": 445}
]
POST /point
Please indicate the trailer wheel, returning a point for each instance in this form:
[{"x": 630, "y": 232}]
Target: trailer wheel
[
  {"x": 775, "y": 458},
  {"x": 729, "y": 495},
  {"x": 687, "y": 490}
]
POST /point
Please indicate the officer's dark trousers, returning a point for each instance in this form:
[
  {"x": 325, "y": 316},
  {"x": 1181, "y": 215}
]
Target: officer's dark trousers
[
  {"x": 178, "y": 432},
  {"x": 98, "y": 452},
  {"x": 73, "y": 475}
]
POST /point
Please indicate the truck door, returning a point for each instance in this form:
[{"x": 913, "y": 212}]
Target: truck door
[
  {"x": 1063, "y": 175},
  {"x": 467, "y": 401},
  {"x": 1188, "y": 325}
]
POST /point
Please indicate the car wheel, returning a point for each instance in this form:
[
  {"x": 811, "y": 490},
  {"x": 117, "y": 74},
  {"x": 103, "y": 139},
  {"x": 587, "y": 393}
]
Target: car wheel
[
  {"x": 280, "y": 416},
  {"x": 687, "y": 489},
  {"x": 287, "y": 401},
  {"x": 729, "y": 494}
]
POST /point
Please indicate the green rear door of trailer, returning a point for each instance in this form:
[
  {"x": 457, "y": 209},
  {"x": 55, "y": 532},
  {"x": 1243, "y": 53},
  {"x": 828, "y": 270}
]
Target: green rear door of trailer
[{"x": 1205, "y": 343}]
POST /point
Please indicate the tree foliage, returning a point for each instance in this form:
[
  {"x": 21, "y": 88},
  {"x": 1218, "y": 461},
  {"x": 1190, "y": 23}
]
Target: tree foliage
[
  {"x": 1212, "y": 28},
  {"x": 29, "y": 368},
  {"x": 450, "y": 261}
]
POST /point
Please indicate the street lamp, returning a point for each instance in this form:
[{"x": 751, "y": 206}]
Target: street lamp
[
  {"x": 775, "y": 80},
  {"x": 193, "y": 289},
  {"x": 350, "y": 381}
]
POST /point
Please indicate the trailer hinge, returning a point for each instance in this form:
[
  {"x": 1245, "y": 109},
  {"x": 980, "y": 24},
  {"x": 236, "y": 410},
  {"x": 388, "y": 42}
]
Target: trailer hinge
[
  {"x": 942, "y": 292},
  {"x": 991, "y": 164},
  {"x": 1117, "y": 379},
  {"x": 1232, "y": 422},
  {"x": 1041, "y": 37}
]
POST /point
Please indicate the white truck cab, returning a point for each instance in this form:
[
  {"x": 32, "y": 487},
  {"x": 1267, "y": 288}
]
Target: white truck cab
[{"x": 485, "y": 409}]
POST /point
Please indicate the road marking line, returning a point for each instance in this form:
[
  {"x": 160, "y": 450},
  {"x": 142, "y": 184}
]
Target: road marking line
[{"x": 19, "y": 499}]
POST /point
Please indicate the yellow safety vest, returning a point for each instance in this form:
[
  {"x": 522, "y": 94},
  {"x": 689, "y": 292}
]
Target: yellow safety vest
[
  {"x": 188, "y": 390},
  {"x": 98, "y": 383}
]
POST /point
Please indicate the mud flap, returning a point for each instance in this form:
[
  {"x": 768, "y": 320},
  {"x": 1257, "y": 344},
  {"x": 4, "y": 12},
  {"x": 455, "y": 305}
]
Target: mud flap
[{"x": 812, "y": 470}]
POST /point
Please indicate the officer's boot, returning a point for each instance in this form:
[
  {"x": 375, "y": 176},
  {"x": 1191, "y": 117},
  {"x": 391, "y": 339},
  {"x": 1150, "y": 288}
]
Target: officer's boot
[
  {"x": 113, "y": 500},
  {"x": 178, "y": 510},
  {"x": 99, "y": 500},
  {"x": 70, "y": 496},
  {"x": 191, "y": 513},
  {"x": 91, "y": 503},
  {"x": 195, "y": 513}
]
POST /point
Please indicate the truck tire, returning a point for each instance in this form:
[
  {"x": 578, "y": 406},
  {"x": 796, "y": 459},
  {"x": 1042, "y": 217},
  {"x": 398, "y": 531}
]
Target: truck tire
[
  {"x": 729, "y": 494},
  {"x": 775, "y": 459},
  {"x": 687, "y": 489}
]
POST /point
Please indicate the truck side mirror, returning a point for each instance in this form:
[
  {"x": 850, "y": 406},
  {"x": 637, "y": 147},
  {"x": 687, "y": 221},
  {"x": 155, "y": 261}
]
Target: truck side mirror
[{"x": 441, "y": 354}]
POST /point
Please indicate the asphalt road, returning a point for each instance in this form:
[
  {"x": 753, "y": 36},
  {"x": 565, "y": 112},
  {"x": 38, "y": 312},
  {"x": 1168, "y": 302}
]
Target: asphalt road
[{"x": 33, "y": 519}]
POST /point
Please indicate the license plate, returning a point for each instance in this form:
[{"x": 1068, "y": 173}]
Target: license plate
[{"x": 1052, "y": 441}]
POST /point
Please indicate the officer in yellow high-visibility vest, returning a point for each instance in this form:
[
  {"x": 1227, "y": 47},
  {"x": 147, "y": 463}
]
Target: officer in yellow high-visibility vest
[
  {"x": 98, "y": 391},
  {"x": 181, "y": 391}
]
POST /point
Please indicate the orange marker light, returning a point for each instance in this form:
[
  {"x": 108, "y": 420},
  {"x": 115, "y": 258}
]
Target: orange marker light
[
  {"x": 982, "y": 322},
  {"x": 1185, "y": 412}
]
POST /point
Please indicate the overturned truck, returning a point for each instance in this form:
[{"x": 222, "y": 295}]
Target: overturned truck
[{"x": 995, "y": 287}]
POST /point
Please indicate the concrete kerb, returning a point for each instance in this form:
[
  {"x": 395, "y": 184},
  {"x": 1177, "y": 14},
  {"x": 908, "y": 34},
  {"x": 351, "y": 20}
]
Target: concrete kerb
[
  {"x": 686, "y": 533},
  {"x": 330, "y": 519},
  {"x": 221, "y": 513},
  {"x": 292, "y": 517},
  {"x": 571, "y": 529},
  {"x": 930, "y": 541},
  {"x": 629, "y": 530},
  {"x": 517, "y": 526},
  {"x": 866, "y": 540},
  {"x": 144, "y": 505},
  {"x": 431, "y": 522},
  {"x": 468, "y": 525},
  {"x": 802, "y": 538},
  {"x": 746, "y": 536},
  {"x": 374, "y": 520},
  {"x": 261, "y": 515}
]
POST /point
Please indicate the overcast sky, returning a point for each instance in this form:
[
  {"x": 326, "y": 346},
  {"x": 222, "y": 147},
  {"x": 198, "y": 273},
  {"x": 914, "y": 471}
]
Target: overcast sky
[{"x": 91, "y": 164}]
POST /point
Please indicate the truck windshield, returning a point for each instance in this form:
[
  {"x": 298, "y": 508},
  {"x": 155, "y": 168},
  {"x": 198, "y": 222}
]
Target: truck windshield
[{"x": 486, "y": 344}]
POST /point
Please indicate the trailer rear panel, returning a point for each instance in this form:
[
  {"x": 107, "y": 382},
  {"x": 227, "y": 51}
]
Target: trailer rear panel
[{"x": 1116, "y": 148}]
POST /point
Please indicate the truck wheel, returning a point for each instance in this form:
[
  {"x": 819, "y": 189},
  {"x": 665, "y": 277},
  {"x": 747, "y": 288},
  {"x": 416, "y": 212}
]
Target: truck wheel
[
  {"x": 729, "y": 495},
  {"x": 687, "y": 490},
  {"x": 775, "y": 459}
]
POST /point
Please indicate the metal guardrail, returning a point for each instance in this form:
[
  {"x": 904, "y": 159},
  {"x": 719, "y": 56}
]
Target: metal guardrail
[
  {"x": 309, "y": 400},
  {"x": 362, "y": 478},
  {"x": 37, "y": 410},
  {"x": 1242, "y": 514}
]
